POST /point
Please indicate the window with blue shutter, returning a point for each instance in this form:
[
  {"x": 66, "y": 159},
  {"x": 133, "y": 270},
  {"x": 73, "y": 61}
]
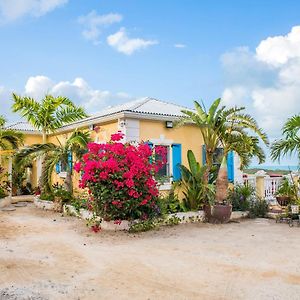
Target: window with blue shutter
[
  {"x": 176, "y": 156},
  {"x": 217, "y": 157},
  {"x": 230, "y": 166},
  {"x": 151, "y": 146},
  {"x": 57, "y": 168}
]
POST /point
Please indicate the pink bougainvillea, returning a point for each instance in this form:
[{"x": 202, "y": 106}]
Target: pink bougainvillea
[{"x": 120, "y": 178}]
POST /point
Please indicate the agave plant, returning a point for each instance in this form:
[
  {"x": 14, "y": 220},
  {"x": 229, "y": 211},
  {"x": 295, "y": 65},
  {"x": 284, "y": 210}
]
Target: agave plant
[{"x": 196, "y": 192}]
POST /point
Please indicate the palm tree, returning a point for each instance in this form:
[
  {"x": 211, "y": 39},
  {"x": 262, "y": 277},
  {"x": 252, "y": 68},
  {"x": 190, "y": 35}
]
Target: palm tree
[
  {"x": 208, "y": 123},
  {"x": 237, "y": 139},
  {"x": 226, "y": 128},
  {"x": 290, "y": 143},
  {"x": 47, "y": 115},
  {"x": 61, "y": 154},
  {"x": 9, "y": 138}
]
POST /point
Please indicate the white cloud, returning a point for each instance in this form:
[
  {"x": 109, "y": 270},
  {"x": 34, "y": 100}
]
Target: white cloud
[
  {"x": 179, "y": 45},
  {"x": 122, "y": 43},
  {"x": 38, "y": 86},
  {"x": 94, "y": 23},
  {"x": 267, "y": 81},
  {"x": 11, "y": 10},
  {"x": 278, "y": 50},
  {"x": 78, "y": 90}
]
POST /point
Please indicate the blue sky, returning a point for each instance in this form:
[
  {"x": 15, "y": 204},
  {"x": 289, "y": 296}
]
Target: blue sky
[{"x": 104, "y": 52}]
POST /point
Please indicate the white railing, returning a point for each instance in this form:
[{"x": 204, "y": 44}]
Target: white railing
[
  {"x": 271, "y": 186},
  {"x": 251, "y": 181}
]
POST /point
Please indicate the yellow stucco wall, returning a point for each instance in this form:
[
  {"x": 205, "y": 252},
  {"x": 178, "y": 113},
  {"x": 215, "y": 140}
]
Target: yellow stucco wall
[
  {"x": 101, "y": 134},
  {"x": 189, "y": 136}
]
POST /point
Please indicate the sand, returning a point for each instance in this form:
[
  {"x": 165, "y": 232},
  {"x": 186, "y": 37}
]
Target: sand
[{"x": 46, "y": 256}]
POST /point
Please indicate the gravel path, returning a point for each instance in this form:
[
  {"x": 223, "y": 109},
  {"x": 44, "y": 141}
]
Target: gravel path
[{"x": 46, "y": 256}]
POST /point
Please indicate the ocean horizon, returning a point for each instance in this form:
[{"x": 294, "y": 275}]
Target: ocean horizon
[{"x": 276, "y": 167}]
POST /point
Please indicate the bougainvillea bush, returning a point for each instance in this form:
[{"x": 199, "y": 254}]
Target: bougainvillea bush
[{"x": 120, "y": 179}]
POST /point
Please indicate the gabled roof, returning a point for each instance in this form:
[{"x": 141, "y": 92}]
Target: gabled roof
[
  {"x": 22, "y": 126},
  {"x": 147, "y": 108}
]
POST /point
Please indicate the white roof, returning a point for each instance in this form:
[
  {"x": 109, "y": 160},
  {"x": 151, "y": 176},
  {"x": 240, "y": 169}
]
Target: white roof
[
  {"x": 145, "y": 106},
  {"x": 21, "y": 126}
]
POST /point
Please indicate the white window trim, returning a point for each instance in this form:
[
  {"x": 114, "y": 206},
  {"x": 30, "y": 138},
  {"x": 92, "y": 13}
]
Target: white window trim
[
  {"x": 62, "y": 174},
  {"x": 165, "y": 142}
]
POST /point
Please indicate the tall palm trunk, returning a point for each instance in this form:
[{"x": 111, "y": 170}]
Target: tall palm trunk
[
  {"x": 42, "y": 182},
  {"x": 209, "y": 161},
  {"x": 68, "y": 182},
  {"x": 222, "y": 181}
]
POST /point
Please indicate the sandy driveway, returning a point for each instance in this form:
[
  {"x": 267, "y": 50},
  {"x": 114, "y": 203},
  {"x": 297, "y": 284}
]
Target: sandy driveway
[{"x": 46, "y": 256}]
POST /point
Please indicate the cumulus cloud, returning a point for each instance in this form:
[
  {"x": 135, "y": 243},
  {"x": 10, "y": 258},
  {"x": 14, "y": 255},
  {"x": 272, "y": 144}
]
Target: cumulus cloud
[
  {"x": 122, "y": 43},
  {"x": 77, "y": 90},
  {"x": 94, "y": 23},
  {"x": 11, "y": 10},
  {"x": 265, "y": 81},
  {"x": 278, "y": 50}
]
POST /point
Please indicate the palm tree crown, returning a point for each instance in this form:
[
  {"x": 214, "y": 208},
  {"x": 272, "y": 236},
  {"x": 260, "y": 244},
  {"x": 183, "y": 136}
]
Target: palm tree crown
[
  {"x": 290, "y": 143},
  {"x": 9, "y": 138},
  {"x": 49, "y": 114}
]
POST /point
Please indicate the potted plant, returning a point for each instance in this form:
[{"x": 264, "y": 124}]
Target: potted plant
[{"x": 286, "y": 192}]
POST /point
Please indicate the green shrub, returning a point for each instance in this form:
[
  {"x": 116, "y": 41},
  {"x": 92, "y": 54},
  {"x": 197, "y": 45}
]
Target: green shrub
[
  {"x": 196, "y": 192},
  {"x": 241, "y": 197},
  {"x": 258, "y": 209},
  {"x": 47, "y": 196},
  {"x": 2, "y": 193},
  {"x": 171, "y": 204}
]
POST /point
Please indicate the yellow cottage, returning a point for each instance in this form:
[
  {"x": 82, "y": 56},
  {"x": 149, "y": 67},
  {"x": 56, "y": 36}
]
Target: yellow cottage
[{"x": 149, "y": 120}]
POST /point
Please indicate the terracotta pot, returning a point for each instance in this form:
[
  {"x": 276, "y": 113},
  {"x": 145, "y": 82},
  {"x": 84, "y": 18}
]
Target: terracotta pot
[
  {"x": 283, "y": 200},
  {"x": 207, "y": 212},
  {"x": 221, "y": 213}
]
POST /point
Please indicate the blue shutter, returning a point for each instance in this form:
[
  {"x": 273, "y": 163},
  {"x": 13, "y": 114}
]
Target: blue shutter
[
  {"x": 57, "y": 168},
  {"x": 203, "y": 155},
  {"x": 176, "y": 156},
  {"x": 70, "y": 160},
  {"x": 230, "y": 166}
]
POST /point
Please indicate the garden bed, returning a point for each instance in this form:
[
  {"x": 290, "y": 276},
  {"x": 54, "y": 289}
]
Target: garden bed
[{"x": 180, "y": 218}]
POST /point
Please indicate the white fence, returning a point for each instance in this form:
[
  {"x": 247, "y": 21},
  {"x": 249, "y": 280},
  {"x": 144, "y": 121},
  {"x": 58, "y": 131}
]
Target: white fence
[
  {"x": 265, "y": 185},
  {"x": 250, "y": 180},
  {"x": 271, "y": 186}
]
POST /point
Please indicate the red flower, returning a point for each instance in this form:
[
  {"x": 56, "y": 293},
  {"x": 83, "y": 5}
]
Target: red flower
[
  {"x": 119, "y": 177},
  {"x": 117, "y": 136},
  {"x": 96, "y": 228}
]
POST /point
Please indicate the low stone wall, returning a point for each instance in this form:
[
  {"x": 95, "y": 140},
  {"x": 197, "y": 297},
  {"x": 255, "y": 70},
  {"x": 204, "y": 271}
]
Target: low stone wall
[
  {"x": 5, "y": 202},
  {"x": 183, "y": 217},
  {"x": 43, "y": 204}
]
